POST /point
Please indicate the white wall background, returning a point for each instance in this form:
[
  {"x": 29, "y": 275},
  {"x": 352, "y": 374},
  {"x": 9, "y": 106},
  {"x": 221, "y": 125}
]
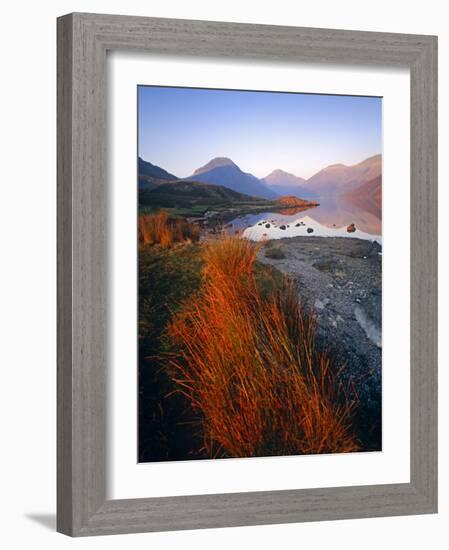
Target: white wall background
[{"x": 27, "y": 274}]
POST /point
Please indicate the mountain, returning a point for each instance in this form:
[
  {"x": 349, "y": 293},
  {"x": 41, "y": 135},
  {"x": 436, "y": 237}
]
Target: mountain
[
  {"x": 369, "y": 194},
  {"x": 284, "y": 183},
  {"x": 338, "y": 179},
  {"x": 223, "y": 171},
  {"x": 281, "y": 178},
  {"x": 216, "y": 162},
  {"x": 151, "y": 175}
]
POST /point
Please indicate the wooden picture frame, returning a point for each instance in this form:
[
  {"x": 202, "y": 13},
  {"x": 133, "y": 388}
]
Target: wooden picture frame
[{"x": 83, "y": 40}]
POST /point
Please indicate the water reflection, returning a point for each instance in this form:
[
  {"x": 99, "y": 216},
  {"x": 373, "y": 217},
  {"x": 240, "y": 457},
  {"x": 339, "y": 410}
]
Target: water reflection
[{"x": 332, "y": 213}]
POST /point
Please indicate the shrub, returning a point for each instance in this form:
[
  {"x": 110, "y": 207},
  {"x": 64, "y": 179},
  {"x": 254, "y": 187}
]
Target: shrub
[{"x": 161, "y": 229}]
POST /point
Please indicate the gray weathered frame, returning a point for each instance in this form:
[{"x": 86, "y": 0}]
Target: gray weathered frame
[{"x": 83, "y": 40}]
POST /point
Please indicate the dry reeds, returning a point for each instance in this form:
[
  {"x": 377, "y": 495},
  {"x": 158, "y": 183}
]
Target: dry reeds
[
  {"x": 161, "y": 229},
  {"x": 250, "y": 366}
]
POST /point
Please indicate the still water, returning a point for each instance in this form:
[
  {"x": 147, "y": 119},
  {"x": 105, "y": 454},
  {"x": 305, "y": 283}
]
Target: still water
[{"x": 330, "y": 219}]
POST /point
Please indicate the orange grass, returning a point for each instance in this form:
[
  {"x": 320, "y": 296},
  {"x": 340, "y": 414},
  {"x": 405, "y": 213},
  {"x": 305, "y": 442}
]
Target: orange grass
[
  {"x": 250, "y": 366},
  {"x": 161, "y": 229}
]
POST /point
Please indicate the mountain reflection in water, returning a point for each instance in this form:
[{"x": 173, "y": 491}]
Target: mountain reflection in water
[{"x": 331, "y": 213}]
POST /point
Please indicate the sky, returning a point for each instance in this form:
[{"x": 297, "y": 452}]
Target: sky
[{"x": 181, "y": 129}]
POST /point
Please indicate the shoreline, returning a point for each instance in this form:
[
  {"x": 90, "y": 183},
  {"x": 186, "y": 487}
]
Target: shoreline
[{"x": 340, "y": 280}]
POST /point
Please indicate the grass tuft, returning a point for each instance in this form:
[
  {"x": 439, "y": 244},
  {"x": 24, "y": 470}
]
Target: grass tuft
[
  {"x": 249, "y": 366},
  {"x": 164, "y": 230}
]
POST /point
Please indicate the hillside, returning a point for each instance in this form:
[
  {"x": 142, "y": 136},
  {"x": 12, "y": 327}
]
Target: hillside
[
  {"x": 151, "y": 175},
  {"x": 197, "y": 199},
  {"x": 280, "y": 177},
  {"x": 194, "y": 198},
  {"x": 284, "y": 183},
  {"x": 369, "y": 194},
  {"x": 338, "y": 179}
]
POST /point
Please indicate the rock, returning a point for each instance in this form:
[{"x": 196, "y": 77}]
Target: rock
[
  {"x": 309, "y": 230},
  {"x": 297, "y": 225},
  {"x": 275, "y": 254},
  {"x": 351, "y": 228},
  {"x": 349, "y": 328},
  {"x": 267, "y": 225},
  {"x": 372, "y": 331},
  {"x": 324, "y": 265},
  {"x": 282, "y": 227}
]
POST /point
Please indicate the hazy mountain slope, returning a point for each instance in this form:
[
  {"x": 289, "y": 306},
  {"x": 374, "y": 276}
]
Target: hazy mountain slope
[
  {"x": 369, "y": 194},
  {"x": 223, "y": 171},
  {"x": 151, "y": 175},
  {"x": 338, "y": 179},
  {"x": 284, "y": 183},
  {"x": 280, "y": 177},
  {"x": 214, "y": 163}
]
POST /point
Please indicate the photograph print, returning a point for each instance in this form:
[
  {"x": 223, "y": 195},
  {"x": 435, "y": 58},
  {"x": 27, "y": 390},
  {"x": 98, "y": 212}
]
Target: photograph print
[{"x": 259, "y": 273}]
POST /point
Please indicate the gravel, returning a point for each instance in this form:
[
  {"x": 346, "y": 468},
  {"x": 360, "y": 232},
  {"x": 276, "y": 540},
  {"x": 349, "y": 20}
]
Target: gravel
[{"x": 340, "y": 279}]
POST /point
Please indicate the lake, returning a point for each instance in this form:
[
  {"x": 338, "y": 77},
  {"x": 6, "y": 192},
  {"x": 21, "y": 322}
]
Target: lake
[{"x": 330, "y": 219}]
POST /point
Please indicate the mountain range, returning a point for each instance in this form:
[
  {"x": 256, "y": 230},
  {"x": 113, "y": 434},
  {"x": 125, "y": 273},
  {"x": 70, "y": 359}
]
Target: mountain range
[{"x": 358, "y": 182}]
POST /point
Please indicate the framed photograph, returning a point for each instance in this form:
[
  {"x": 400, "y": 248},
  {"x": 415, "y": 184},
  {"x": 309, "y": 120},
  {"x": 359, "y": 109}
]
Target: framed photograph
[{"x": 247, "y": 274}]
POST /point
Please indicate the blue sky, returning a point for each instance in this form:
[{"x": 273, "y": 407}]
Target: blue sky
[{"x": 181, "y": 129}]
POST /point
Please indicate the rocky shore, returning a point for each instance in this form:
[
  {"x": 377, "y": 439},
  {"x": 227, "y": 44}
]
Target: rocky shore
[{"x": 340, "y": 279}]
